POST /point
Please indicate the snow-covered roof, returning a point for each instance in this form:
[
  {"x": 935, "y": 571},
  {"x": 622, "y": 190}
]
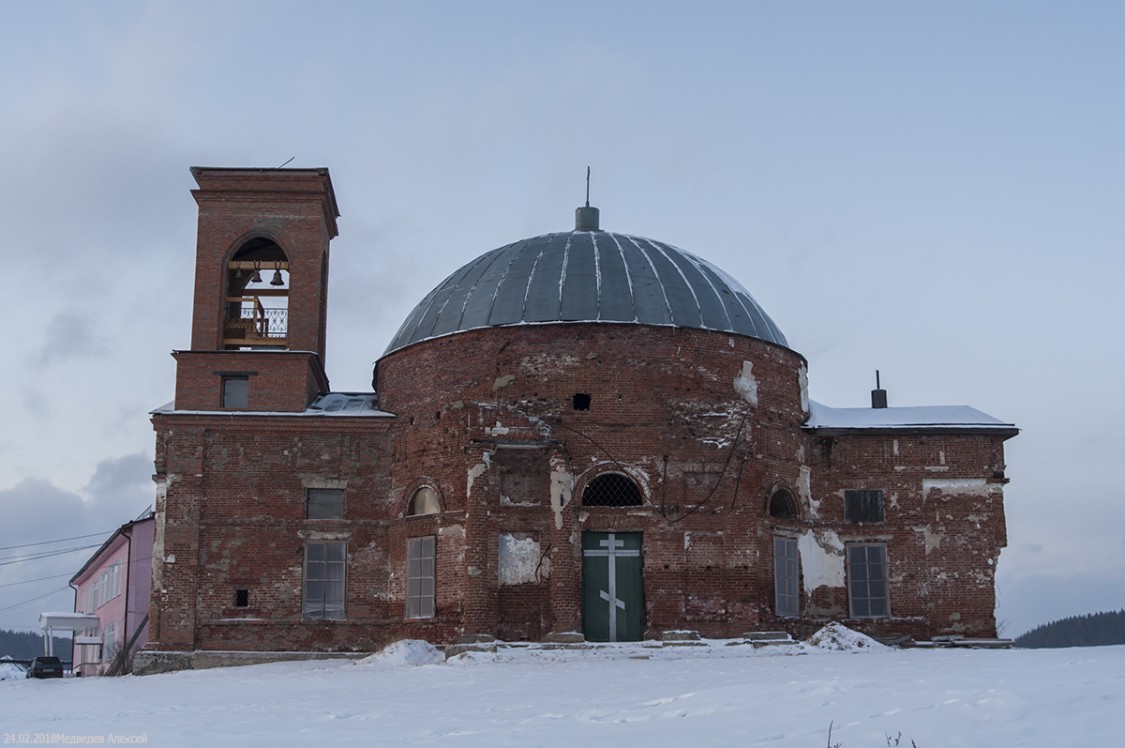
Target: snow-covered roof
[
  {"x": 333, "y": 404},
  {"x": 937, "y": 417},
  {"x": 587, "y": 276},
  {"x": 68, "y": 620}
]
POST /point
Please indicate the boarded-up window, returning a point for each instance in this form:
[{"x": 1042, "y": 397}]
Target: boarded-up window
[
  {"x": 863, "y": 505},
  {"x": 785, "y": 577},
  {"x": 325, "y": 503},
  {"x": 867, "y": 580},
  {"x": 236, "y": 392},
  {"x": 324, "y": 580},
  {"x": 420, "y": 577}
]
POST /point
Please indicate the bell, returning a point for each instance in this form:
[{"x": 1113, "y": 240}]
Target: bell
[
  {"x": 257, "y": 276},
  {"x": 276, "y": 280}
]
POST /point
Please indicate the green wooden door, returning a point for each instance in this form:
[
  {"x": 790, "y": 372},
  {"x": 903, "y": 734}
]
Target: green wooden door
[{"x": 612, "y": 588}]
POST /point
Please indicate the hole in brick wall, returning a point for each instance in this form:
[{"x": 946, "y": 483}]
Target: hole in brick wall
[
  {"x": 581, "y": 401},
  {"x": 241, "y": 598},
  {"x": 437, "y": 416}
]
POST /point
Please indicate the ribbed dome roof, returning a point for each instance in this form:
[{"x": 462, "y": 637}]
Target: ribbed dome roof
[{"x": 587, "y": 276}]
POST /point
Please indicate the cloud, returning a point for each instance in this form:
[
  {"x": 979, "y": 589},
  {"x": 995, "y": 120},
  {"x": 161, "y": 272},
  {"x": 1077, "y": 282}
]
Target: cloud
[
  {"x": 122, "y": 483},
  {"x": 39, "y": 518},
  {"x": 71, "y": 335}
]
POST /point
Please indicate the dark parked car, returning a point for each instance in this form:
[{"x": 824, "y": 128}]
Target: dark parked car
[{"x": 45, "y": 667}]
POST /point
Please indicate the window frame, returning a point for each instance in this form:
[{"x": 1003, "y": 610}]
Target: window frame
[
  {"x": 109, "y": 640},
  {"x": 864, "y": 506},
  {"x": 783, "y": 505},
  {"x": 420, "y": 601},
  {"x": 860, "y": 580},
  {"x": 619, "y": 489},
  {"x": 317, "y": 571},
  {"x": 235, "y": 400},
  {"x": 432, "y": 502},
  {"x": 786, "y": 577}
]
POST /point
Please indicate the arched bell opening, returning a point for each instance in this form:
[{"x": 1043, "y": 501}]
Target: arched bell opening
[{"x": 257, "y": 301}]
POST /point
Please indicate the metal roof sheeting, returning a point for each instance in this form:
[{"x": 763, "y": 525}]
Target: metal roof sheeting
[
  {"x": 937, "y": 417},
  {"x": 587, "y": 276}
]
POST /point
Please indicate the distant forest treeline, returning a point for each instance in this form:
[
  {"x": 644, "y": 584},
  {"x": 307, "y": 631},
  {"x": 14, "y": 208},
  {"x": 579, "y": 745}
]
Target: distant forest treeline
[
  {"x": 1091, "y": 630},
  {"x": 23, "y": 645}
]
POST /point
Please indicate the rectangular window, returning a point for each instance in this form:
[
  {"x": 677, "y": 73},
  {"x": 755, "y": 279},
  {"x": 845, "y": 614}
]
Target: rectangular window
[
  {"x": 420, "y": 577},
  {"x": 867, "y": 580},
  {"x": 236, "y": 392},
  {"x": 109, "y": 642},
  {"x": 324, "y": 580},
  {"x": 785, "y": 577},
  {"x": 325, "y": 503},
  {"x": 863, "y": 506},
  {"x": 114, "y": 581}
]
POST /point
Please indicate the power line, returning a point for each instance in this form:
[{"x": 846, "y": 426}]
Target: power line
[
  {"x": 25, "y": 602},
  {"x": 29, "y": 581},
  {"x": 60, "y": 540},
  {"x": 8, "y": 560}
]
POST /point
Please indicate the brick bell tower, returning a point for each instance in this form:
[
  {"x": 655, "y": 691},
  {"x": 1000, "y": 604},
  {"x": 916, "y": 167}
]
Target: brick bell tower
[{"x": 261, "y": 290}]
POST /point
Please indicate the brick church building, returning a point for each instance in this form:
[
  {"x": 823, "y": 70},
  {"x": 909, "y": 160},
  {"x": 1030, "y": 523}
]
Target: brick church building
[{"x": 583, "y": 431}]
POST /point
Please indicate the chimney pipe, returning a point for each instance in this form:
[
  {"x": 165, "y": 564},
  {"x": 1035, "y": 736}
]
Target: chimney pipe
[{"x": 878, "y": 395}]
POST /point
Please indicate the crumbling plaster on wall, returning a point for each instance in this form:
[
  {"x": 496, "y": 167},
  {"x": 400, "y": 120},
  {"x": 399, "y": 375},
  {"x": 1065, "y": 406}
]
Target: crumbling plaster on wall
[
  {"x": 477, "y": 471},
  {"x": 562, "y": 489},
  {"x": 746, "y": 385},
  {"x": 804, "y": 490},
  {"x": 520, "y": 560},
  {"x": 803, "y": 386},
  {"x": 822, "y": 559},
  {"x": 958, "y": 487}
]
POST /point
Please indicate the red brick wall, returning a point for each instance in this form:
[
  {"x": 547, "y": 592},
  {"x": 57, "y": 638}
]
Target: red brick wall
[
  {"x": 278, "y": 380},
  {"x": 487, "y": 419},
  {"x": 294, "y": 208}
]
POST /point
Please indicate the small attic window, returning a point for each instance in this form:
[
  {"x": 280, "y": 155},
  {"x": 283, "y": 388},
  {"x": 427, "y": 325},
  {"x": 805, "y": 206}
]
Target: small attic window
[
  {"x": 581, "y": 401},
  {"x": 782, "y": 505},
  {"x": 424, "y": 501},
  {"x": 611, "y": 489}
]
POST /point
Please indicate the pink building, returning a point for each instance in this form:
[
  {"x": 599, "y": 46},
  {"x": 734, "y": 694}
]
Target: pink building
[{"x": 114, "y": 586}]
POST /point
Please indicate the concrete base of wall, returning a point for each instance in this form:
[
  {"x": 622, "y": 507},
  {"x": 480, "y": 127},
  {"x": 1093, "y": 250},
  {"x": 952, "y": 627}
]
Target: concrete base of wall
[{"x": 153, "y": 662}]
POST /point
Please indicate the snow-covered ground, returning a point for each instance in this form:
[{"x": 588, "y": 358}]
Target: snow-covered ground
[{"x": 639, "y": 694}]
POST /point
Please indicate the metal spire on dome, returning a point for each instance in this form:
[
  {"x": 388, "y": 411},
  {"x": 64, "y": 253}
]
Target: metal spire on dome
[{"x": 587, "y": 218}]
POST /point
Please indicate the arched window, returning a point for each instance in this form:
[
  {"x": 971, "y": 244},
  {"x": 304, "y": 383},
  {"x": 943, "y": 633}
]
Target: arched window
[
  {"x": 257, "y": 300},
  {"x": 424, "y": 501},
  {"x": 611, "y": 489},
  {"x": 782, "y": 505}
]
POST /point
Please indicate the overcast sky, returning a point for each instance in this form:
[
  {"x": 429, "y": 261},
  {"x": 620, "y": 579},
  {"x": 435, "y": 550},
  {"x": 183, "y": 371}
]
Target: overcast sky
[{"x": 934, "y": 191}]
